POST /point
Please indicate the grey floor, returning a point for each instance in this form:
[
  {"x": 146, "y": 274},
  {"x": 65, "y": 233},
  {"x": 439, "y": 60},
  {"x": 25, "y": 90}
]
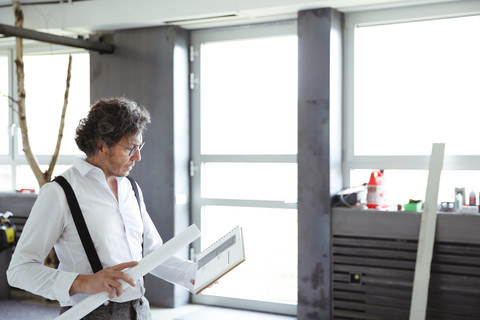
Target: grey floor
[
  {"x": 200, "y": 312},
  {"x": 24, "y": 307}
]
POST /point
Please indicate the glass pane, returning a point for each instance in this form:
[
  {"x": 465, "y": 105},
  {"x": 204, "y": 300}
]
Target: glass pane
[
  {"x": 26, "y": 179},
  {"x": 417, "y": 83},
  {"x": 403, "y": 185},
  {"x": 249, "y": 96},
  {"x": 45, "y": 80},
  {"x": 4, "y": 107},
  {"x": 6, "y": 178},
  {"x": 252, "y": 181},
  {"x": 269, "y": 272}
]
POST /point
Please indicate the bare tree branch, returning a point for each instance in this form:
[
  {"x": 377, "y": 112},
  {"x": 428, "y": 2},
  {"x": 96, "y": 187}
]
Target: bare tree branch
[
  {"x": 45, "y": 177},
  {"x": 11, "y": 101},
  {"x": 22, "y": 117},
  {"x": 42, "y": 177},
  {"x": 48, "y": 173}
]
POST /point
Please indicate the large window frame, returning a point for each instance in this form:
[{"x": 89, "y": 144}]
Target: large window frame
[
  {"x": 388, "y": 16},
  {"x": 15, "y": 159},
  {"x": 197, "y": 201}
]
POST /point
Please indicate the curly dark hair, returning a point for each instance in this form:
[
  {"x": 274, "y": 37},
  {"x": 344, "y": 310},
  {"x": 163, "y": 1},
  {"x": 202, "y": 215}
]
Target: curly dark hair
[{"x": 108, "y": 121}]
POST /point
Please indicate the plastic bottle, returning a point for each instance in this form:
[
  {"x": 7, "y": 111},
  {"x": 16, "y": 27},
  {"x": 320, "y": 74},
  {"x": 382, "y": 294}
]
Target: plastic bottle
[
  {"x": 375, "y": 190},
  {"x": 473, "y": 199},
  {"x": 458, "y": 202}
]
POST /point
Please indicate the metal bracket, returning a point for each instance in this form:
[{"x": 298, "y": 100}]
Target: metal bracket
[{"x": 193, "y": 168}]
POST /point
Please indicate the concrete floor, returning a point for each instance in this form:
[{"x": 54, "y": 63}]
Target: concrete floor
[
  {"x": 201, "y": 312},
  {"x": 22, "y": 299}
]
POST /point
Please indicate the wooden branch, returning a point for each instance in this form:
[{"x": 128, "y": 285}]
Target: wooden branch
[
  {"x": 21, "y": 98},
  {"x": 49, "y": 172},
  {"x": 11, "y": 101}
]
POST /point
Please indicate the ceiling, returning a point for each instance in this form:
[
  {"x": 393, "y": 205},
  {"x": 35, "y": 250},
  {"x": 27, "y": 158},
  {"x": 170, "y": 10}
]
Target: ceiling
[{"x": 84, "y": 17}]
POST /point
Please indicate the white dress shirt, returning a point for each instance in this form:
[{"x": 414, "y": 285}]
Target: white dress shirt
[{"x": 116, "y": 228}]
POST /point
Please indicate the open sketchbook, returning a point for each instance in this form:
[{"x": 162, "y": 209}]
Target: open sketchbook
[{"x": 218, "y": 259}]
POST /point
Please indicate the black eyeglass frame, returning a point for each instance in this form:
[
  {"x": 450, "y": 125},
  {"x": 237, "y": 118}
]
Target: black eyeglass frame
[{"x": 134, "y": 149}]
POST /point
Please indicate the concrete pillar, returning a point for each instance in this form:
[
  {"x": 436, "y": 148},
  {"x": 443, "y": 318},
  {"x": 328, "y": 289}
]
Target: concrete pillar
[
  {"x": 319, "y": 154},
  {"x": 150, "y": 66}
]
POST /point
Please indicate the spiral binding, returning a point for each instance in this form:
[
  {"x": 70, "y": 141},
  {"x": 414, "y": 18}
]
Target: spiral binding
[
  {"x": 216, "y": 251},
  {"x": 219, "y": 240}
]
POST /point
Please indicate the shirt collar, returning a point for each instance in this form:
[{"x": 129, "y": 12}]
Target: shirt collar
[{"x": 84, "y": 167}]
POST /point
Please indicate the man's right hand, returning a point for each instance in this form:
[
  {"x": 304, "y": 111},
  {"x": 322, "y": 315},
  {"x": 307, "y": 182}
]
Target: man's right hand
[{"x": 104, "y": 280}]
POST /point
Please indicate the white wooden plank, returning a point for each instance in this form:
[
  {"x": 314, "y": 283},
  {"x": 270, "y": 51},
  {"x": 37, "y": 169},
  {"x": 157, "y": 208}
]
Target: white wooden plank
[{"x": 418, "y": 307}]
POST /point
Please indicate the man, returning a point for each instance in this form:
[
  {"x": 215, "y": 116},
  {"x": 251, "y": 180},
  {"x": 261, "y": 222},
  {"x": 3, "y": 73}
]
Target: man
[{"x": 111, "y": 137}]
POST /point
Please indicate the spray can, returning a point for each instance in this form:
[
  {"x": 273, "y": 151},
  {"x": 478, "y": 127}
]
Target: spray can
[
  {"x": 375, "y": 190},
  {"x": 472, "y": 199}
]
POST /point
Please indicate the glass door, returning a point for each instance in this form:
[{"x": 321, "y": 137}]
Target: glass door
[{"x": 244, "y": 170}]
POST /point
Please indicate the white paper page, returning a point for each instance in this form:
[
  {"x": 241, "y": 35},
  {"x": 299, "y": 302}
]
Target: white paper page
[{"x": 218, "y": 259}]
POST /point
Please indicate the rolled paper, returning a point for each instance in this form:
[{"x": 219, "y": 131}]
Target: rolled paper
[{"x": 144, "y": 266}]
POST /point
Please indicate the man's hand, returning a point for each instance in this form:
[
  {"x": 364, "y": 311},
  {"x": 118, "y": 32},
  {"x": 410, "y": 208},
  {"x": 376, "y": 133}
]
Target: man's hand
[{"x": 104, "y": 280}]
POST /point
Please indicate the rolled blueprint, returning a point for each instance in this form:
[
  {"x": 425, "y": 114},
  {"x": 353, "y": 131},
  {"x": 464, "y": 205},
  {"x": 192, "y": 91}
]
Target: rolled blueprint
[{"x": 144, "y": 266}]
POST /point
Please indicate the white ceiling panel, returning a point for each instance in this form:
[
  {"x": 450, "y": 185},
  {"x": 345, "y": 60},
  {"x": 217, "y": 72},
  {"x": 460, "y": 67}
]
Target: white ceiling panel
[{"x": 92, "y": 16}]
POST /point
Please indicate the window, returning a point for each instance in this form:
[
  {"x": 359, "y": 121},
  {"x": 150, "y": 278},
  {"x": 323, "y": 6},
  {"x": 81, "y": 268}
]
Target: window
[
  {"x": 45, "y": 77},
  {"x": 45, "y": 82},
  {"x": 412, "y": 81},
  {"x": 4, "y": 112},
  {"x": 244, "y": 142}
]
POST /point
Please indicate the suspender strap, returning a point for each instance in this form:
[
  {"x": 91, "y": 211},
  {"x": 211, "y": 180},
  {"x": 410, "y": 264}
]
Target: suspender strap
[
  {"x": 80, "y": 224},
  {"x": 137, "y": 195},
  {"x": 135, "y": 189},
  {"x": 80, "y": 221}
]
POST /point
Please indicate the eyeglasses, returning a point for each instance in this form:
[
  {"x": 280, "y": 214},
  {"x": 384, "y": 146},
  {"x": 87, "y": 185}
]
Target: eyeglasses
[{"x": 134, "y": 149}]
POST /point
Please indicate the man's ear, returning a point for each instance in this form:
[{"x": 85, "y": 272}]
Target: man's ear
[{"x": 100, "y": 146}]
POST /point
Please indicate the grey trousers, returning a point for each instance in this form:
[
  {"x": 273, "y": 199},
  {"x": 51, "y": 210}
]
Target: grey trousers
[{"x": 131, "y": 310}]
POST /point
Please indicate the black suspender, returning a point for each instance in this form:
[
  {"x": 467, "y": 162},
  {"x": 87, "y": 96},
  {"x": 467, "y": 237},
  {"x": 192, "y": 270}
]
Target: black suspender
[
  {"x": 80, "y": 221},
  {"x": 80, "y": 224},
  {"x": 135, "y": 189}
]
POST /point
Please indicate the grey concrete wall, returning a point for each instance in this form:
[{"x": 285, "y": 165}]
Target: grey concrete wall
[
  {"x": 319, "y": 155},
  {"x": 150, "y": 66}
]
